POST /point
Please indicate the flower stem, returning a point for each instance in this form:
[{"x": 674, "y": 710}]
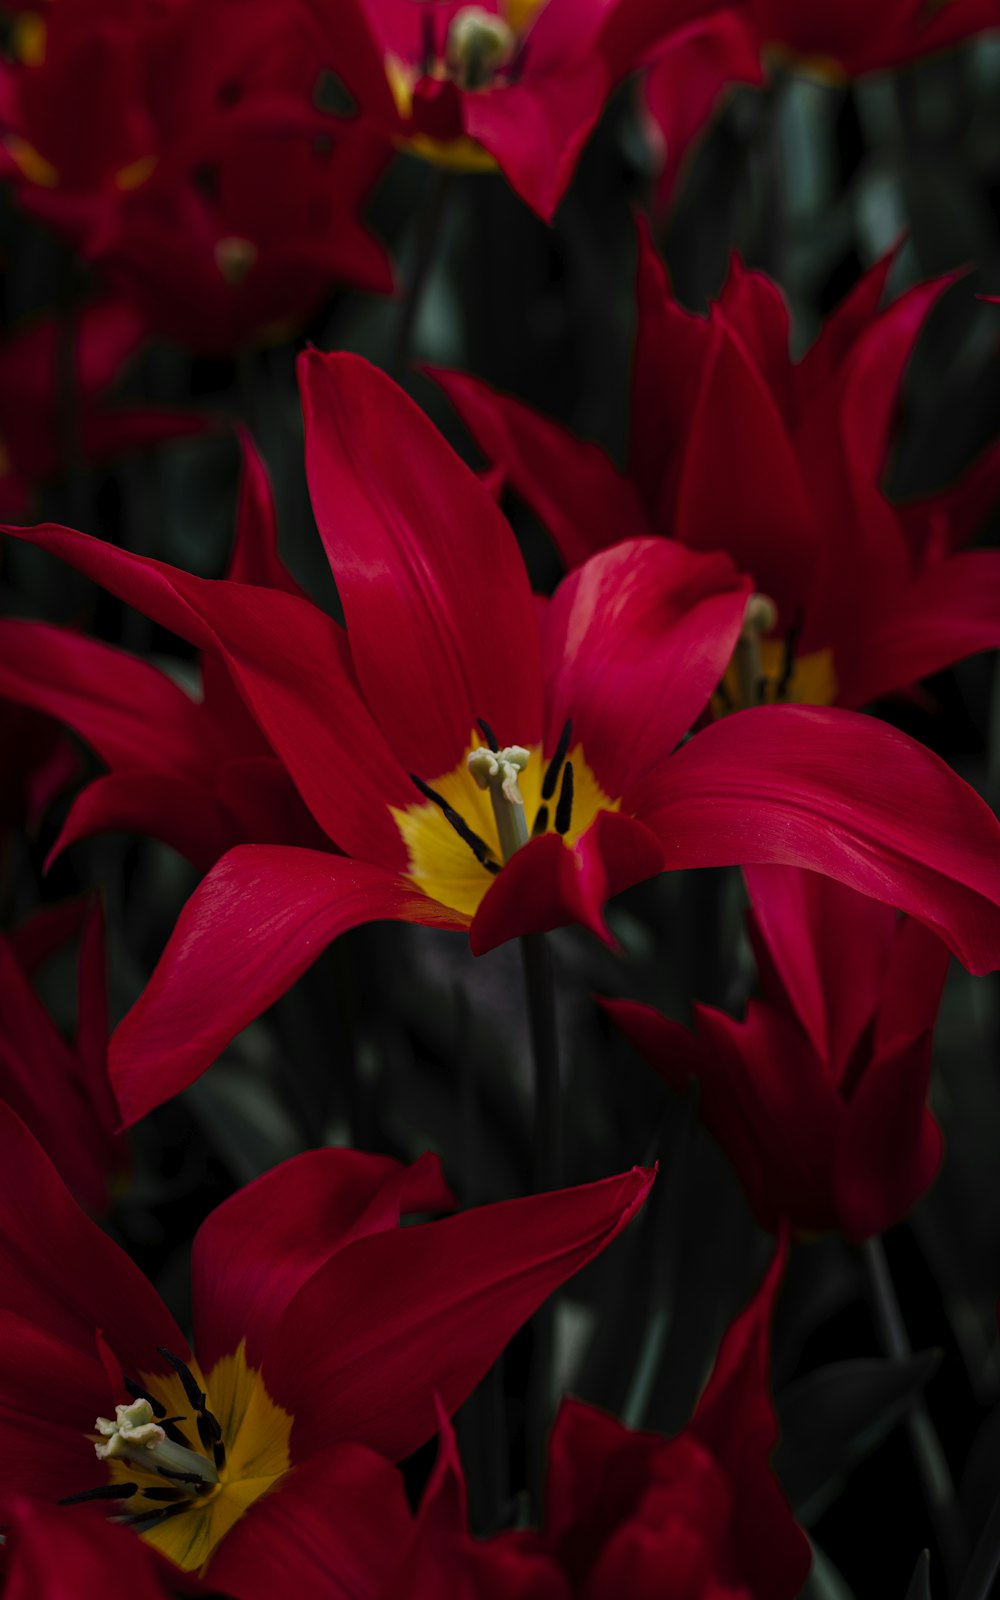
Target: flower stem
[
  {"x": 985, "y": 1563},
  {"x": 425, "y": 250},
  {"x": 929, "y": 1457},
  {"x": 546, "y": 1164}
]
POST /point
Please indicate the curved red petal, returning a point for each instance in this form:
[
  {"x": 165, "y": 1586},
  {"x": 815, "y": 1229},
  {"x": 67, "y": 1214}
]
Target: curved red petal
[
  {"x": 257, "y": 921},
  {"x": 438, "y": 605},
  {"x": 256, "y": 1250}
]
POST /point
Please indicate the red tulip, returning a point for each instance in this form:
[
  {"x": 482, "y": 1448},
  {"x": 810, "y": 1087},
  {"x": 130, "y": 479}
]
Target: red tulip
[
  {"x": 61, "y": 1089},
  {"x": 831, "y": 39},
  {"x": 818, "y": 1097},
  {"x": 735, "y": 446},
  {"x": 208, "y": 780},
  {"x": 324, "y": 1331},
  {"x": 514, "y": 84},
  {"x": 57, "y": 1554},
  {"x": 628, "y": 1513},
  {"x": 591, "y": 697},
  {"x": 33, "y": 442}
]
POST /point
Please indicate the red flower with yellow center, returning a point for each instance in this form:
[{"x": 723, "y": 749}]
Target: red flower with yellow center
[
  {"x": 780, "y": 463},
  {"x": 588, "y": 698},
  {"x": 517, "y": 84},
  {"x": 325, "y": 1331}
]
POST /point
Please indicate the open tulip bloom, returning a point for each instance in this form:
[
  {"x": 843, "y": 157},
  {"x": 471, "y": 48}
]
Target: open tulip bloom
[
  {"x": 484, "y": 760},
  {"x": 780, "y": 463},
  {"x": 514, "y": 84},
  {"x": 325, "y": 1331}
]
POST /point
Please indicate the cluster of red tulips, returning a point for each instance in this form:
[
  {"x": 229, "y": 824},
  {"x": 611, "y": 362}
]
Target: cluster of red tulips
[{"x": 442, "y": 739}]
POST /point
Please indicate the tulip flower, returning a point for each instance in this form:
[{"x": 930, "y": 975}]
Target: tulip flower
[
  {"x": 818, "y": 1096},
  {"x": 324, "y": 1331},
  {"x": 514, "y": 84},
  {"x": 486, "y": 763},
  {"x": 245, "y": 249},
  {"x": 832, "y": 40},
  {"x": 209, "y": 780},
  {"x": 33, "y": 442},
  {"x": 735, "y": 446},
  {"x": 60, "y": 1089},
  {"x": 625, "y": 1511}
]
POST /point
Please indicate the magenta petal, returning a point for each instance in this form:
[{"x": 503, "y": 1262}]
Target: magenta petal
[
  {"x": 401, "y": 1316},
  {"x": 260, "y": 918},
  {"x": 61, "y": 1554},
  {"x": 537, "y": 129},
  {"x": 889, "y": 1146},
  {"x": 435, "y": 592},
  {"x": 845, "y": 795},
  {"x": 255, "y": 554},
  {"x": 60, "y": 1271},
  {"x": 634, "y": 642},
  {"x": 156, "y": 805},
  {"x": 549, "y": 884},
  {"x": 951, "y": 612},
  {"x": 572, "y": 486},
  {"x": 256, "y": 1250},
  {"x": 332, "y": 1529}
]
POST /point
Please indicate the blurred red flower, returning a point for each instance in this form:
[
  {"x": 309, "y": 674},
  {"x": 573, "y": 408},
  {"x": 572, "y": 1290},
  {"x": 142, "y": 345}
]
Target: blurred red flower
[
  {"x": 818, "y": 1097},
  {"x": 831, "y": 39}
]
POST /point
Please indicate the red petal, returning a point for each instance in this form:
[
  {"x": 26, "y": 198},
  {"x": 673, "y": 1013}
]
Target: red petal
[
  {"x": 61, "y": 1272},
  {"x": 255, "y": 556},
  {"x": 437, "y": 600},
  {"x": 182, "y": 814},
  {"x": 572, "y": 486},
  {"x": 634, "y": 644},
  {"x": 951, "y": 612},
  {"x": 399, "y": 1315},
  {"x": 536, "y": 129},
  {"x": 108, "y": 697},
  {"x": 688, "y": 79},
  {"x": 829, "y": 948},
  {"x": 256, "y": 1250},
  {"x": 260, "y": 918},
  {"x": 333, "y": 1528},
  {"x": 735, "y": 1418},
  {"x": 60, "y": 1554},
  {"x": 841, "y": 794},
  {"x": 548, "y": 884},
  {"x": 889, "y": 1146},
  {"x": 292, "y": 666}
]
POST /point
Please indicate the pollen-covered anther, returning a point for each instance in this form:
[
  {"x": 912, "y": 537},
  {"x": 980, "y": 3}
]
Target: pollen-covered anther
[
  {"x": 236, "y": 258},
  {"x": 135, "y": 1435},
  {"x": 480, "y": 44}
]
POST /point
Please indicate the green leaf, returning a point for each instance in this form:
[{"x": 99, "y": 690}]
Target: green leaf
[
  {"x": 835, "y": 1417},
  {"x": 920, "y": 1583},
  {"x": 824, "y": 1581}
]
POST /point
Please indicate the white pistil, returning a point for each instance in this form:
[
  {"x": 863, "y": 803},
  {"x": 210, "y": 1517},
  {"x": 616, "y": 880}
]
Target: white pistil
[
  {"x": 136, "y": 1436},
  {"x": 759, "y": 618},
  {"x": 479, "y": 46},
  {"x": 497, "y": 771}
]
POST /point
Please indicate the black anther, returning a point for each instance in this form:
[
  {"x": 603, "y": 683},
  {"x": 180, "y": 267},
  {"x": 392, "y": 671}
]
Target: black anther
[
  {"x": 551, "y": 777},
  {"x": 541, "y": 821},
  {"x": 104, "y": 1491},
  {"x": 209, "y": 1430},
  {"x": 791, "y": 650},
  {"x": 488, "y": 734},
  {"x": 196, "y": 1397},
  {"x": 179, "y": 1477},
  {"x": 172, "y": 1495},
  {"x": 153, "y": 1519},
  {"x": 564, "y": 810},
  {"x": 480, "y": 849},
  {"x": 219, "y": 1455}
]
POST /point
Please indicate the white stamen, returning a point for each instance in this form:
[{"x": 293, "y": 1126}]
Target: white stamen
[{"x": 136, "y": 1436}]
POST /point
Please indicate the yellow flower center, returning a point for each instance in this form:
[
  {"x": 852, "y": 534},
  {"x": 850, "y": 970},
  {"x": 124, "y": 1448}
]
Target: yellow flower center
[
  {"x": 808, "y": 680},
  {"x": 187, "y": 1519},
  {"x": 446, "y": 866},
  {"x": 478, "y": 52}
]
